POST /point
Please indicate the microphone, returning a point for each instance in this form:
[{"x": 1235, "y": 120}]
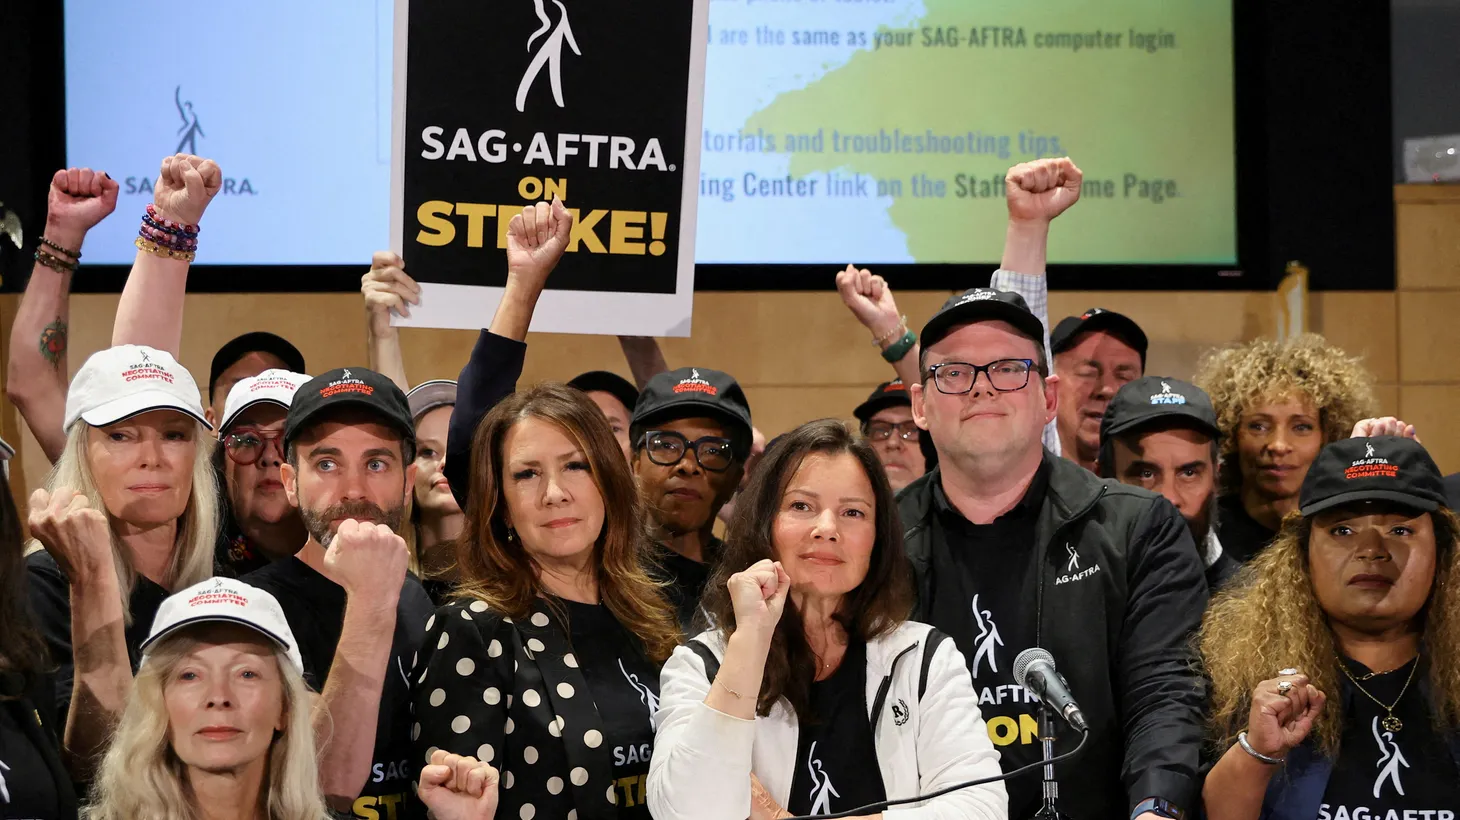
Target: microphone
[{"x": 1034, "y": 668}]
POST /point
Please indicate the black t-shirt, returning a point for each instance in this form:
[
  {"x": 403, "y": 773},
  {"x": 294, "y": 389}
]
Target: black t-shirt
[
  {"x": 1241, "y": 535},
  {"x": 983, "y": 597},
  {"x": 233, "y": 554},
  {"x": 836, "y": 754},
  {"x": 625, "y": 689},
  {"x": 1379, "y": 769},
  {"x": 687, "y": 579},
  {"x": 28, "y": 787},
  {"x": 315, "y": 608},
  {"x": 50, "y": 601}
]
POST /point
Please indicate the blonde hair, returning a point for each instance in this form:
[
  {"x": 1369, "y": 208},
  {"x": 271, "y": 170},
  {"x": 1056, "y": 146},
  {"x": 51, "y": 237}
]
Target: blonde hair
[
  {"x": 142, "y": 777},
  {"x": 1268, "y": 618},
  {"x": 197, "y": 532},
  {"x": 1307, "y": 367}
]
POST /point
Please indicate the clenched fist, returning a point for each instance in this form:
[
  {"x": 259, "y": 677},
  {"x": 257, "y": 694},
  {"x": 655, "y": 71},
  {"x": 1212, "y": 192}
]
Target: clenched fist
[
  {"x": 367, "y": 559},
  {"x": 185, "y": 187},
  {"x": 458, "y": 788},
  {"x": 79, "y": 198},
  {"x": 387, "y": 288},
  {"x": 869, "y": 298},
  {"x": 536, "y": 239},
  {"x": 1041, "y": 190},
  {"x": 759, "y": 596},
  {"x": 1280, "y": 720},
  {"x": 74, "y": 533}
]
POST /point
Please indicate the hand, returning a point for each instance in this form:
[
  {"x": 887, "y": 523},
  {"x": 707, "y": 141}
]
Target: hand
[
  {"x": 759, "y": 596},
  {"x": 762, "y": 805},
  {"x": 1277, "y": 722},
  {"x": 536, "y": 239},
  {"x": 1387, "y": 426},
  {"x": 185, "y": 187},
  {"x": 1041, "y": 190},
  {"x": 458, "y": 788},
  {"x": 79, "y": 198},
  {"x": 74, "y": 533},
  {"x": 870, "y": 299},
  {"x": 386, "y": 288},
  {"x": 368, "y": 560}
]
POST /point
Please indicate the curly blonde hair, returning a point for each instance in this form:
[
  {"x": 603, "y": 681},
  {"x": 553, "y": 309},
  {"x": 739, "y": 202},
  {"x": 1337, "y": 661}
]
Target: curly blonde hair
[
  {"x": 1263, "y": 370},
  {"x": 1269, "y": 618}
]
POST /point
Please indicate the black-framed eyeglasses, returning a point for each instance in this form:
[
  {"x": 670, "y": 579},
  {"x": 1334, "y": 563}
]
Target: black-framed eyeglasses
[
  {"x": 883, "y": 430},
  {"x": 666, "y": 448},
  {"x": 1004, "y": 375},
  {"x": 248, "y": 447}
]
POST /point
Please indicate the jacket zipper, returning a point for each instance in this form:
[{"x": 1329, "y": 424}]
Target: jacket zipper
[{"x": 886, "y": 685}]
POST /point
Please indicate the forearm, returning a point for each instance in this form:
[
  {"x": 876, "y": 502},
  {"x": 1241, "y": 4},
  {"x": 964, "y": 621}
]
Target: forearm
[
  {"x": 645, "y": 358},
  {"x": 1026, "y": 245},
  {"x": 514, "y": 312},
  {"x": 385, "y": 352},
  {"x": 151, "y": 308},
  {"x": 1236, "y": 786},
  {"x": 907, "y": 367},
  {"x": 36, "y": 379},
  {"x": 102, "y": 669},
  {"x": 741, "y": 673},
  {"x": 344, "y": 725}
]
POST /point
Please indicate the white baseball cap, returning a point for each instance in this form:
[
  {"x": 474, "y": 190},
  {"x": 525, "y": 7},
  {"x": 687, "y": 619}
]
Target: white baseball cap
[
  {"x": 225, "y": 600},
  {"x": 428, "y": 396},
  {"x": 122, "y": 381},
  {"x": 269, "y": 387}
]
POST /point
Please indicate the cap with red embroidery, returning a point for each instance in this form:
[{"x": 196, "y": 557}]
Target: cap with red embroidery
[
  {"x": 225, "y": 600},
  {"x": 1375, "y": 468},
  {"x": 276, "y": 387},
  {"x": 354, "y": 388},
  {"x": 123, "y": 381},
  {"x": 887, "y": 394}
]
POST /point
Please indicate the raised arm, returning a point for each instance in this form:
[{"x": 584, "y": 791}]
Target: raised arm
[
  {"x": 150, "y": 311},
  {"x": 36, "y": 381},
  {"x": 869, "y": 298},
  {"x": 536, "y": 239},
  {"x": 387, "y": 289},
  {"x": 645, "y": 358}
]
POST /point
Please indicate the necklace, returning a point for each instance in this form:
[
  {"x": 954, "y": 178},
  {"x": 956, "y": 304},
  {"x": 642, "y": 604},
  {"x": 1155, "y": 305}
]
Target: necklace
[
  {"x": 1390, "y": 722},
  {"x": 1377, "y": 674}
]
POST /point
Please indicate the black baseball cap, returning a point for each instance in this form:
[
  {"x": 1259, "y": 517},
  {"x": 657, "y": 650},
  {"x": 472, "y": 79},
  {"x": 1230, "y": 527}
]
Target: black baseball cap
[
  {"x": 256, "y": 342},
  {"x": 1152, "y": 399},
  {"x": 887, "y": 394},
  {"x": 695, "y": 391},
  {"x": 982, "y": 304},
  {"x": 1377, "y": 468},
  {"x": 610, "y": 383},
  {"x": 353, "y": 387},
  {"x": 1118, "y": 325}
]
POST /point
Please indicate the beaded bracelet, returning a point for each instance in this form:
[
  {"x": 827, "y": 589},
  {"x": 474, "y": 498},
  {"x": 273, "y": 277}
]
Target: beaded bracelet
[
  {"x": 166, "y": 239},
  {"x": 151, "y": 247},
  {"x": 70, "y": 253},
  {"x": 169, "y": 225},
  {"x": 53, "y": 262}
]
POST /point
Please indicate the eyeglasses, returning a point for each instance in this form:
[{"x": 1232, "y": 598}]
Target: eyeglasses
[
  {"x": 667, "y": 447},
  {"x": 1004, "y": 375},
  {"x": 883, "y": 430},
  {"x": 248, "y": 447}
]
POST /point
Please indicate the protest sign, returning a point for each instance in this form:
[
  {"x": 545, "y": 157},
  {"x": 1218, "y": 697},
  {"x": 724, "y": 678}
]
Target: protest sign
[{"x": 500, "y": 105}]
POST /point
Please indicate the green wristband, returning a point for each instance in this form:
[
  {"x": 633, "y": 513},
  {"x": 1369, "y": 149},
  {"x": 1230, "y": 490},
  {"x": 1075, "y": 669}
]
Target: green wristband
[{"x": 900, "y": 348}]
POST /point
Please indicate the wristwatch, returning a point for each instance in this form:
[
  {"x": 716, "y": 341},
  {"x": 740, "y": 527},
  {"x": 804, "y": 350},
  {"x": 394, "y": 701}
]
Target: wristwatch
[{"x": 1158, "y": 807}]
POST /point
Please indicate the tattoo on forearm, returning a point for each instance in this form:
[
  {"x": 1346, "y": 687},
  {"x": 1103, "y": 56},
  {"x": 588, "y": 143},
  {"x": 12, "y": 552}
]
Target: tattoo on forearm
[{"x": 53, "y": 342}]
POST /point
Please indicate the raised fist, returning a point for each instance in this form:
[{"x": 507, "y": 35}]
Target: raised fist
[
  {"x": 185, "y": 187},
  {"x": 759, "y": 596},
  {"x": 458, "y": 788},
  {"x": 1283, "y": 711},
  {"x": 869, "y": 298},
  {"x": 387, "y": 288},
  {"x": 367, "y": 559},
  {"x": 536, "y": 239},
  {"x": 73, "y": 532},
  {"x": 79, "y": 198},
  {"x": 1043, "y": 189}
]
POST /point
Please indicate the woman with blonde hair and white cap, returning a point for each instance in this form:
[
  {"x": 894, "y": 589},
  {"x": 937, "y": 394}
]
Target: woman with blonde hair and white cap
[
  {"x": 219, "y": 723},
  {"x": 130, "y": 511}
]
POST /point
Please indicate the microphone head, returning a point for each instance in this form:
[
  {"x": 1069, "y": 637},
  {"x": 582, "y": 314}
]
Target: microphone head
[{"x": 1028, "y": 658}]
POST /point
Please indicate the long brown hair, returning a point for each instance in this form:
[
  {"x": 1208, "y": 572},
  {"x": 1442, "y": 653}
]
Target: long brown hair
[
  {"x": 501, "y": 573},
  {"x": 1268, "y": 618},
  {"x": 877, "y": 606},
  {"x": 21, "y": 649}
]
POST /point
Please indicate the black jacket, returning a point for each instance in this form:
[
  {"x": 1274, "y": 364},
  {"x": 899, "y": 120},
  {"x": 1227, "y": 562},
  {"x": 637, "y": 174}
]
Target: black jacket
[
  {"x": 1123, "y": 641},
  {"x": 489, "y": 376}
]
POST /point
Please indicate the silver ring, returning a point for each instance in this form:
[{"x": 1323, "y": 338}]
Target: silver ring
[
  {"x": 1284, "y": 687},
  {"x": 1289, "y": 671}
]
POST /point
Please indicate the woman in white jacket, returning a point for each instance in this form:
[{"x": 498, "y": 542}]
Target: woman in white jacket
[{"x": 816, "y": 694}]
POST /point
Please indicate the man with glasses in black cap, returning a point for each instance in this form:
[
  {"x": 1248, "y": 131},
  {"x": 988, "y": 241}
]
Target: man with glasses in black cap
[
  {"x": 1013, "y": 547},
  {"x": 1162, "y": 434},
  {"x": 1095, "y": 353},
  {"x": 691, "y": 433},
  {"x": 888, "y": 425}
]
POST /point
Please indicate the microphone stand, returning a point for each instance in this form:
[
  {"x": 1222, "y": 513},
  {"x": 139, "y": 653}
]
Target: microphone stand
[{"x": 1049, "y": 811}]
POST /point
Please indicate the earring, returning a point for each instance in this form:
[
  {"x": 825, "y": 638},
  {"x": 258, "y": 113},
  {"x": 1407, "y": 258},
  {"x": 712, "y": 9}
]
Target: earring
[{"x": 511, "y": 534}]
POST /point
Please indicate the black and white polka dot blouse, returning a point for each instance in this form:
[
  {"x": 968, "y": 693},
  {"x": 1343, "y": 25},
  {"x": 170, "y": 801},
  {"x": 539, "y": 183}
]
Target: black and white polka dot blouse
[{"x": 563, "y": 710}]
